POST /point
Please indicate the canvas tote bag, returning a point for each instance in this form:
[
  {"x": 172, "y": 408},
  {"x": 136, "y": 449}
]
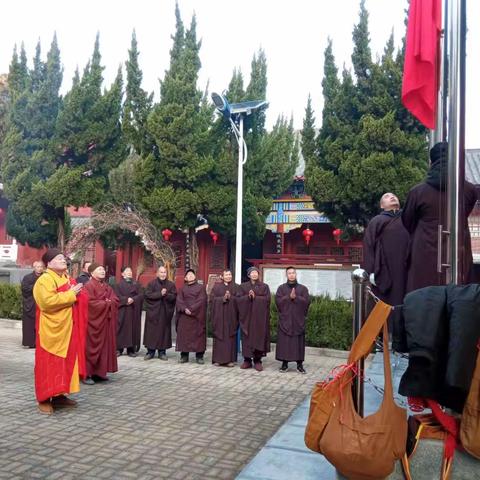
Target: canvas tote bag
[
  {"x": 325, "y": 394},
  {"x": 366, "y": 448},
  {"x": 470, "y": 422}
]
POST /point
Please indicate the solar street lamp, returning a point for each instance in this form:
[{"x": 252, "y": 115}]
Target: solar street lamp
[{"x": 235, "y": 113}]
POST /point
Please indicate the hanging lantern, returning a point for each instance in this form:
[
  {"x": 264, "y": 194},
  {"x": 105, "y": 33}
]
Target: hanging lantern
[
  {"x": 307, "y": 235},
  {"x": 214, "y": 236},
  {"x": 337, "y": 233},
  {"x": 166, "y": 234}
]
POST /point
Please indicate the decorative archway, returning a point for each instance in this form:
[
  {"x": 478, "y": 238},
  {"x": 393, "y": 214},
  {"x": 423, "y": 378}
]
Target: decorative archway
[{"x": 114, "y": 217}]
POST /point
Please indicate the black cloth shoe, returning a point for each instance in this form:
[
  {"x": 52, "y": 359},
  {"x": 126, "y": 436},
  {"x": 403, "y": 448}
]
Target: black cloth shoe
[
  {"x": 200, "y": 360},
  {"x": 162, "y": 356},
  {"x": 284, "y": 367},
  {"x": 148, "y": 356},
  {"x": 300, "y": 368},
  {"x": 183, "y": 358},
  {"x": 132, "y": 354}
]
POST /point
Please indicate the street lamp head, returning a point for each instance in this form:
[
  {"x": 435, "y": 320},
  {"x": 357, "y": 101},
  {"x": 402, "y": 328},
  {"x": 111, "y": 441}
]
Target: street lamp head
[
  {"x": 222, "y": 105},
  {"x": 229, "y": 110}
]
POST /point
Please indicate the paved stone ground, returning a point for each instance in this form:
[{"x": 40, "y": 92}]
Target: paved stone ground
[{"x": 152, "y": 420}]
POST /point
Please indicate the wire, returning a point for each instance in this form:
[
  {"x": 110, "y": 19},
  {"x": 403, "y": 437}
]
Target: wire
[
  {"x": 236, "y": 131},
  {"x": 376, "y": 299}
]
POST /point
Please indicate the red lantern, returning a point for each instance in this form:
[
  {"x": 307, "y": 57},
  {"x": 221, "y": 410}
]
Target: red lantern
[
  {"x": 307, "y": 235},
  {"x": 337, "y": 233},
  {"x": 166, "y": 234},
  {"x": 214, "y": 236}
]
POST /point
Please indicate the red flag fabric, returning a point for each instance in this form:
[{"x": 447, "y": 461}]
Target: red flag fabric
[{"x": 422, "y": 59}]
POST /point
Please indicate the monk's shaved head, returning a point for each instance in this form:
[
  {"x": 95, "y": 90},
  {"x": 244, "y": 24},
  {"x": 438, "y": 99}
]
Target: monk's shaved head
[{"x": 389, "y": 201}]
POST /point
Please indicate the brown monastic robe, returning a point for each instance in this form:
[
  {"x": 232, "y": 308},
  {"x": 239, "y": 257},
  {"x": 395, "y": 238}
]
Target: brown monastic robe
[
  {"x": 159, "y": 313},
  {"x": 385, "y": 254},
  {"x": 254, "y": 319},
  {"x": 191, "y": 329},
  {"x": 129, "y": 324},
  {"x": 291, "y": 322},
  {"x": 224, "y": 319},
  {"x": 421, "y": 217},
  {"x": 101, "y": 352},
  {"x": 29, "y": 309}
]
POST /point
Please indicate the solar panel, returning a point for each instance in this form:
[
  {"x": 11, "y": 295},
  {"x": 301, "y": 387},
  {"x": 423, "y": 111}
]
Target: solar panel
[{"x": 247, "y": 107}]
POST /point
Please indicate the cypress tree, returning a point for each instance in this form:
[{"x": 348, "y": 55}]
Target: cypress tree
[
  {"x": 308, "y": 132},
  {"x": 137, "y": 106},
  {"x": 364, "y": 147},
  {"x": 27, "y": 148},
  {"x": 170, "y": 178}
]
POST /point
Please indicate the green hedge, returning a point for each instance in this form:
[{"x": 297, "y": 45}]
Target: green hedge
[
  {"x": 329, "y": 321},
  {"x": 328, "y": 325},
  {"x": 10, "y": 301}
]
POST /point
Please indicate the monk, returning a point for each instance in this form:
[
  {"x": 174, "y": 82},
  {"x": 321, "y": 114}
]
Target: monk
[
  {"x": 425, "y": 209},
  {"x": 102, "y": 326},
  {"x": 28, "y": 305},
  {"x": 160, "y": 297},
  {"x": 292, "y": 300},
  {"x": 84, "y": 276},
  {"x": 191, "y": 319},
  {"x": 254, "y": 317},
  {"x": 60, "y": 334},
  {"x": 385, "y": 251},
  {"x": 129, "y": 324},
  {"x": 224, "y": 319}
]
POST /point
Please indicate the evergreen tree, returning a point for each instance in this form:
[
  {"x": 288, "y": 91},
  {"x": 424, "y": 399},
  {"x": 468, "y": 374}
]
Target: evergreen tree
[
  {"x": 18, "y": 75},
  {"x": 364, "y": 149},
  {"x": 37, "y": 74},
  {"x": 236, "y": 92},
  {"x": 122, "y": 180},
  {"x": 89, "y": 140},
  {"x": 137, "y": 106},
  {"x": 175, "y": 182},
  {"x": 4, "y": 109},
  {"x": 330, "y": 88},
  {"x": 55, "y": 155},
  {"x": 308, "y": 133},
  {"x": 26, "y": 150}
]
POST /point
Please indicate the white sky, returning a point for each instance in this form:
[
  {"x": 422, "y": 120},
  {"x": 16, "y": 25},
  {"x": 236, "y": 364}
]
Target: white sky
[{"x": 292, "y": 33}]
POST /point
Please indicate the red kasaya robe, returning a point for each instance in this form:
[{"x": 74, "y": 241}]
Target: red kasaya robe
[
  {"x": 60, "y": 352},
  {"x": 101, "y": 352}
]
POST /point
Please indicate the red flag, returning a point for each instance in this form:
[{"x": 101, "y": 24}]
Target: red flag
[{"x": 422, "y": 59}]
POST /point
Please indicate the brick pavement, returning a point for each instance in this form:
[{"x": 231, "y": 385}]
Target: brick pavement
[{"x": 153, "y": 419}]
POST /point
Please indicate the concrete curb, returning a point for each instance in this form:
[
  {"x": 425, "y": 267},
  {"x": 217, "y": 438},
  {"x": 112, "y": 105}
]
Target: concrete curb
[{"x": 9, "y": 323}]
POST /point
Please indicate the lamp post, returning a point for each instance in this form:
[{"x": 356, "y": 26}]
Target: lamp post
[{"x": 235, "y": 113}]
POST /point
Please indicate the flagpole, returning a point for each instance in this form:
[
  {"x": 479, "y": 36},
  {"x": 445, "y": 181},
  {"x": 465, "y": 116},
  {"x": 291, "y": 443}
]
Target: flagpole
[
  {"x": 456, "y": 139},
  {"x": 440, "y": 132}
]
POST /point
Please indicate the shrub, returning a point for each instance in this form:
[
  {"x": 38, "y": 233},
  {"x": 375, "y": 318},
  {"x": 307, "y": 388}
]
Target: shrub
[
  {"x": 10, "y": 301},
  {"x": 329, "y": 322}
]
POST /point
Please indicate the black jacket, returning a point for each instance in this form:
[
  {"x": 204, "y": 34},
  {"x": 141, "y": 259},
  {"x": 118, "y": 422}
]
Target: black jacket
[
  {"x": 83, "y": 278},
  {"x": 442, "y": 327}
]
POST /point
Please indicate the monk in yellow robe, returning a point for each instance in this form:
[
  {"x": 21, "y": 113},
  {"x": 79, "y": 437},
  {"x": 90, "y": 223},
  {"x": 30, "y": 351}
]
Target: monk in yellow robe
[{"x": 61, "y": 326}]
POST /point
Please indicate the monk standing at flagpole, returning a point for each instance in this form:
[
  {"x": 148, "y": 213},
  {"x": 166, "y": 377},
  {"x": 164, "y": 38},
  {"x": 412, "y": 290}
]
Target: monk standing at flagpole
[{"x": 60, "y": 332}]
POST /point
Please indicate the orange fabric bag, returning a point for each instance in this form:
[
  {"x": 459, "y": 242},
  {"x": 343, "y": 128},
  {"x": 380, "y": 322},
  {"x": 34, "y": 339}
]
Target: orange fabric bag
[
  {"x": 325, "y": 394},
  {"x": 470, "y": 423},
  {"x": 366, "y": 448}
]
